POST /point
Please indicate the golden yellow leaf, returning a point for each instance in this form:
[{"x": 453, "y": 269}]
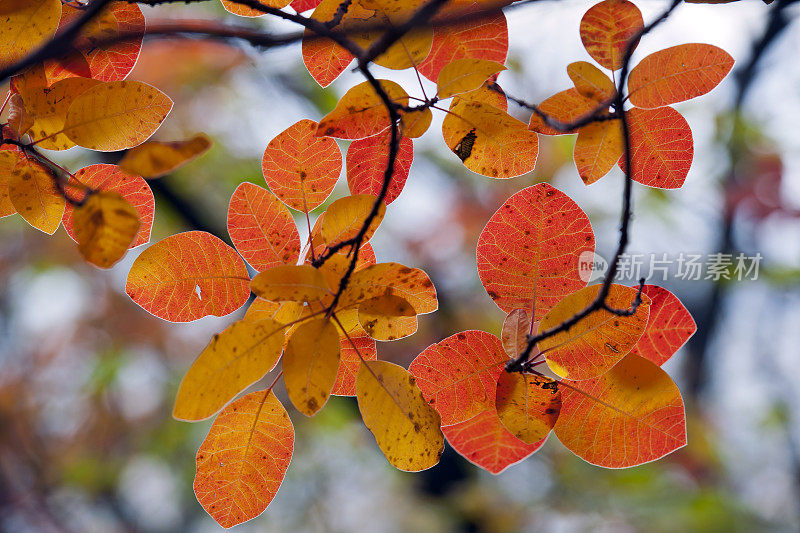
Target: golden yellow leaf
[
  {"x": 105, "y": 225},
  {"x": 8, "y": 159},
  {"x": 232, "y": 361},
  {"x": 410, "y": 284},
  {"x": 310, "y": 364},
  {"x": 590, "y": 81},
  {"x": 527, "y": 405},
  {"x": 154, "y": 159},
  {"x": 33, "y": 193},
  {"x": 405, "y": 427},
  {"x": 297, "y": 283},
  {"x": 27, "y": 25},
  {"x": 387, "y": 318},
  {"x": 283, "y": 312},
  {"x": 361, "y": 112},
  {"x": 464, "y": 75},
  {"x": 345, "y": 217},
  {"x": 597, "y": 149},
  {"x": 414, "y": 123},
  {"x": 116, "y": 115}
]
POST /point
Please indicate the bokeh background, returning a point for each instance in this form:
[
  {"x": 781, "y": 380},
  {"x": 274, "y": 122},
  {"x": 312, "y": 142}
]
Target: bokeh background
[{"x": 87, "y": 379}]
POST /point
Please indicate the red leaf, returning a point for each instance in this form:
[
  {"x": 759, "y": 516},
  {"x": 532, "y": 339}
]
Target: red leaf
[
  {"x": 668, "y": 328},
  {"x": 367, "y": 160},
  {"x": 350, "y": 363},
  {"x": 606, "y": 28}
]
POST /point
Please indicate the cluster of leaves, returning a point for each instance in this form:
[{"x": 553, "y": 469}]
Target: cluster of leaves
[{"x": 321, "y": 306}]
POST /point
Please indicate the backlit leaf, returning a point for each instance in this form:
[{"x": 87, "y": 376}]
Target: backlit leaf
[
  {"x": 415, "y": 123},
  {"x": 350, "y": 362},
  {"x": 527, "y": 405},
  {"x": 488, "y": 140},
  {"x": 105, "y": 226},
  {"x": 528, "y": 252},
  {"x": 386, "y": 317},
  {"x": 296, "y": 283},
  {"x": 302, "y": 6},
  {"x": 590, "y": 81},
  {"x": 133, "y": 189},
  {"x": 668, "y": 328},
  {"x": 188, "y": 276},
  {"x": 242, "y": 461},
  {"x": 367, "y": 160},
  {"x": 232, "y": 361},
  {"x": 566, "y": 107},
  {"x": 485, "y": 442},
  {"x": 405, "y": 427},
  {"x": 597, "y": 342},
  {"x": 361, "y": 112},
  {"x": 154, "y": 159},
  {"x": 33, "y": 193},
  {"x": 27, "y": 25},
  {"x": 516, "y": 327},
  {"x": 261, "y": 228},
  {"x": 310, "y": 364},
  {"x": 18, "y": 118},
  {"x": 283, "y": 312},
  {"x": 300, "y": 168},
  {"x": 488, "y": 93},
  {"x": 410, "y": 284},
  {"x": 677, "y": 73},
  {"x": 323, "y": 58},
  {"x": 458, "y": 375},
  {"x": 410, "y": 50},
  {"x": 661, "y": 147},
  {"x": 247, "y": 11},
  {"x": 463, "y": 75},
  {"x": 597, "y": 149},
  {"x": 8, "y": 159},
  {"x": 628, "y": 416},
  {"x": 345, "y": 217},
  {"x": 606, "y": 29},
  {"x": 116, "y": 115}
]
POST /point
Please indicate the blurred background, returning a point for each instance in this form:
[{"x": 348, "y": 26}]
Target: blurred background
[{"x": 87, "y": 378}]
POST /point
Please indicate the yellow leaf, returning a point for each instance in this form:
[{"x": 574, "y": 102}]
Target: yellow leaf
[
  {"x": 154, "y": 159},
  {"x": 360, "y": 112},
  {"x": 415, "y": 123},
  {"x": 18, "y": 118},
  {"x": 116, "y": 115},
  {"x": 33, "y": 193},
  {"x": 464, "y": 75},
  {"x": 405, "y": 427},
  {"x": 310, "y": 364},
  {"x": 297, "y": 283},
  {"x": 590, "y": 81},
  {"x": 105, "y": 225},
  {"x": 49, "y": 106},
  {"x": 387, "y": 318},
  {"x": 27, "y": 25},
  {"x": 410, "y": 284},
  {"x": 232, "y": 361},
  {"x": 597, "y": 149},
  {"x": 528, "y": 405},
  {"x": 283, "y": 312},
  {"x": 346, "y": 216},
  {"x": 8, "y": 159}
]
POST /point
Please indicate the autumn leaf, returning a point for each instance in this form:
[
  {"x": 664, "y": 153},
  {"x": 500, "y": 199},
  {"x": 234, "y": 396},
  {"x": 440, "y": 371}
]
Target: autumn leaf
[
  {"x": 590, "y": 81},
  {"x": 296, "y": 283},
  {"x": 386, "y": 318},
  {"x": 410, "y": 284},
  {"x": 485, "y": 442},
  {"x": 247, "y": 11},
  {"x": 606, "y": 29},
  {"x": 514, "y": 335},
  {"x": 677, "y": 73},
  {"x": 415, "y": 123},
  {"x": 345, "y": 218},
  {"x": 361, "y": 112},
  {"x": 405, "y": 427},
  {"x": 528, "y": 252},
  {"x": 409, "y": 50},
  {"x": 27, "y": 25},
  {"x": 116, "y": 115},
  {"x": 527, "y": 405},
  {"x": 310, "y": 364},
  {"x": 599, "y": 147},
  {"x": 458, "y": 375},
  {"x": 154, "y": 159},
  {"x": 18, "y": 118},
  {"x": 8, "y": 160},
  {"x": 566, "y": 107},
  {"x": 188, "y": 276},
  {"x": 323, "y": 58},
  {"x": 133, "y": 189},
  {"x": 105, "y": 226},
  {"x": 669, "y": 326},
  {"x": 661, "y": 147},
  {"x": 32, "y": 192},
  {"x": 597, "y": 342},
  {"x": 282, "y": 312},
  {"x": 632, "y": 414},
  {"x": 353, "y": 350},
  {"x": 367, "y": 160},
  {"x": 488, "y": 140},
  {"x": 243, "y": 459},
  {"x": 300, "y": 168},
  {"x": 464, "y": 75},
  {"x": 302, "y": 6},
  {"x": 232, "y": 361},
  {"x": 262, "y": 228}
]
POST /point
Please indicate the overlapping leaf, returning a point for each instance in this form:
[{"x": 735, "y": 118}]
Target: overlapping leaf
[
  {"x": 27, "y": 24},
  {"x": 310, "y": 364},
  {"x": 668, "y": 328},
  {"x": 464, "y": 75},
  {"x": 528, "y": 405},
  {"x": 353, "y": 349},
  {"x": 345, "y": 218},
  {"x": 32, "y": 191},
  {"x": 361, "y": 112},
  {"x": 606, "y": 29},
  {"x": 599, "y": 147},
  {"x": 247, "y": 11},
  {"x": 516, "y": 327},
  {"x": 105, "y": 226},
  {"x": 367, "y": 160},
  {"x": 410, "y": 284},
  {"x": 154, "y": 159},
  {"x": 590, "y": 81},
  {"x": 566, "y": 107},
  {"x": 295, "y": 283},
  {"x": 323, "y": 58}
]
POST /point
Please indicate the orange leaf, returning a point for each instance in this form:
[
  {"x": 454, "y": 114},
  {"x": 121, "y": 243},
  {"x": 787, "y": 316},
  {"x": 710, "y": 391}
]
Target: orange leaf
[
  {"x": 345, "y": 218},
  {"x": 410, "y": 284},
  {"x": 528, "y": 252},
  {"x": 415, "y": 123},
  {"x": 296, "y": 283},
  {"x": 242, "y": 461},
  {"x": 154, "y": 159},
  {"x": 606, "y": 29},
  {"x": 367, "y": 160},
  {"x": 132, "y": 188},
  {"x": 632, "y": 414},
  {"x": 411, "y": 49},
  {"x": 485, "y": 442},
  {"x": 261, "y": 228},
  {"x": 282, "y": 312},
  {"x": 661, "y": 147},
  {"x": 527, "y": 405},
  {"x": 18, "y": 118},
  {"x": 516, "y": 327},
  {"x": 310, "y": 364},
  {"x": 566, "y": 107},
  {"x": 323, "y": 58},
  {"x": 597, "y": 342},
  {"x": 493, "y": 96},
  {"x": 458, "y": 375},
  {"x": 246, "y": 11},
  {"x": 464, "y": 75},
  {"x": 598, "y": 147},
  {"x": 350, "y": 362},
  {"x": 105, "y": 227},
  {"x": 302, "y": 6},
  {"x": 483, "y": 38},
  {"x": 678, "y": 73},
  {"x": 300, "y": 168},
  {"x": 33, "y": 193},
  {"x": 387, "y": 317},
  {"x": 27, "y": 25},
  {"x": 590, "y": 81},
  {"x": 7, "y": 162},
  {"x": 188, "y": 276},
  {"x": 668, "y": 328},
  {"x": 361, "y": 112},
  {"x": 488, "y": 140}
]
